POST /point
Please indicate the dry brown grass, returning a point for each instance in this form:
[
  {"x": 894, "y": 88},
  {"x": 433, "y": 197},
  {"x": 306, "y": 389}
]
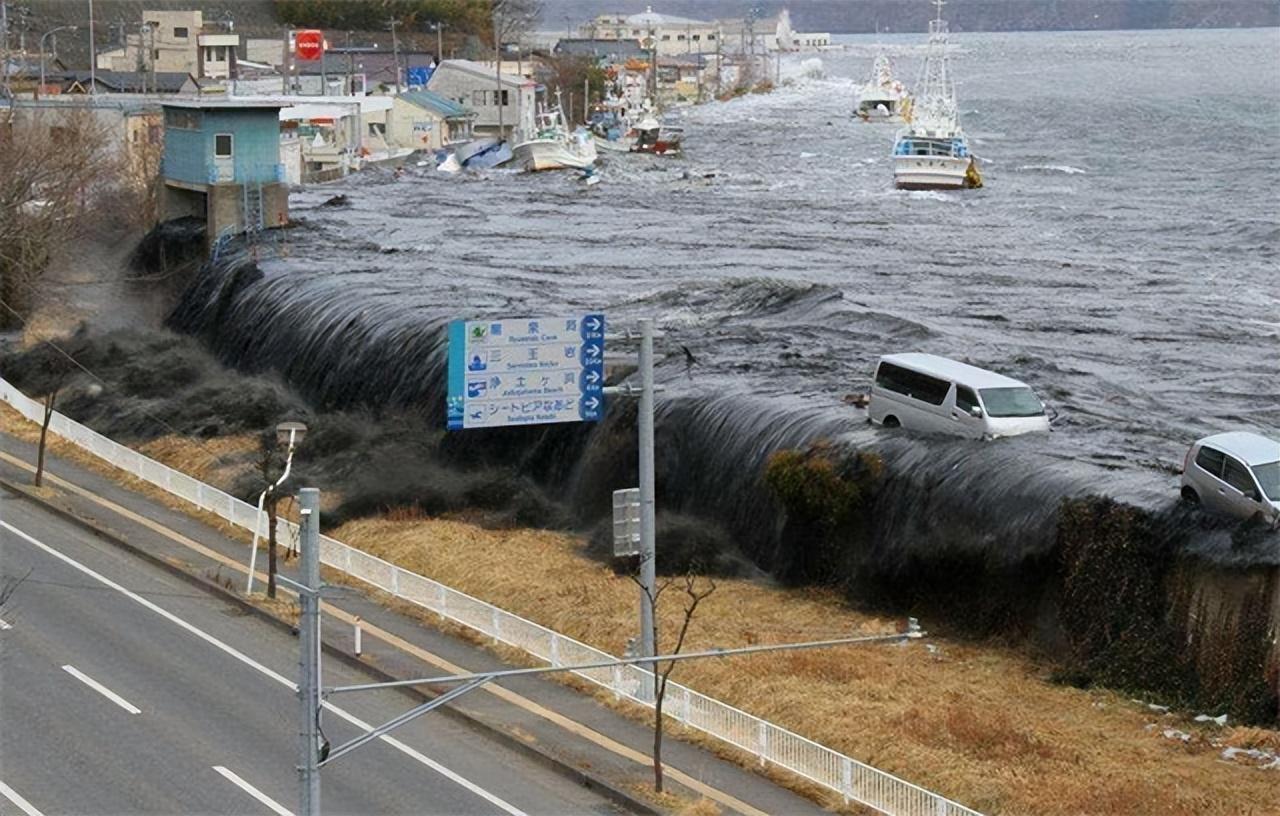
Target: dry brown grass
[
  {"x": 702, "y": 807},
  {"x": 976, "y": 722}
]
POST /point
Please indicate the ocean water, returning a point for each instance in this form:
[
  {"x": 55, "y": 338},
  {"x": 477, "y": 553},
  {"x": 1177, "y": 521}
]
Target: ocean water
[{"x": 1123, "y": 258}]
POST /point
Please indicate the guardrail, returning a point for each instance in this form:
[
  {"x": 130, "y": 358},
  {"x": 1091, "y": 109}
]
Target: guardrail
[{"x": 771, "y": 744}]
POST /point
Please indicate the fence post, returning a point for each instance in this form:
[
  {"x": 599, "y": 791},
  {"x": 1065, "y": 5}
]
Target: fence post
[
  {"x": 496, "y": 625},
  {"x": 684, "y": 706},
  {"x": 762, "y": 740},
  {"x": 846, "y": 778},
  {"x": 395, "y": 581},
  {"x": 617, "y": 682},
  {"x": 555, "y": 649}
]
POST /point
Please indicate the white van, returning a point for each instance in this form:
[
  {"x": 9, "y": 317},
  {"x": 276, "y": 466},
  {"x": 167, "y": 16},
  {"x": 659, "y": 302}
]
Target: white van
[{"x": 924, "y": 392}]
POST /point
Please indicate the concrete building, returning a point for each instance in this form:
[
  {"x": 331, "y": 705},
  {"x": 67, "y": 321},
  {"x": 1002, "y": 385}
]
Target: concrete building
[
  {"x": 175, "y": 41},
  {"x": 222, "y": 163},
  {"x": 475, "y": 87},
  {"x": 669, "y": 34},
  {"x": 422, "y": 120}
]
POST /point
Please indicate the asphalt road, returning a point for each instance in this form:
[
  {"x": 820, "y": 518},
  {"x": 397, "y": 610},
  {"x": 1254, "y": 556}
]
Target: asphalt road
[{"x": 124, "y": 690}]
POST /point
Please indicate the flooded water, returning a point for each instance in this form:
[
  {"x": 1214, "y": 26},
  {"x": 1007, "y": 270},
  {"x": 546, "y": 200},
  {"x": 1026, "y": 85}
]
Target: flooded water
[{"x": 1122, "y": 259}]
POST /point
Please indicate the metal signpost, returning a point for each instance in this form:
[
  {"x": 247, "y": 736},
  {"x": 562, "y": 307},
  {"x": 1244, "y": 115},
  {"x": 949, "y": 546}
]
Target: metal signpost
[{"x": 525, "y": 372}]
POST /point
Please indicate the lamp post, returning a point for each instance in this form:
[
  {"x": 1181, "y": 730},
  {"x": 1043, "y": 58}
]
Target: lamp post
[
  {"x": 42, "y": 39},
  {"x": 287, "y": 433}
]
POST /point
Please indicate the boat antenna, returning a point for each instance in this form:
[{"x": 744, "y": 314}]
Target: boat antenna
[{"x": 939, "y": 4}]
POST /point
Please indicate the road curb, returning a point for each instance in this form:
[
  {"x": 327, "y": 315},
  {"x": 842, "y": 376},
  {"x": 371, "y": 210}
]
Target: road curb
[{"x": 606, "y": 789}]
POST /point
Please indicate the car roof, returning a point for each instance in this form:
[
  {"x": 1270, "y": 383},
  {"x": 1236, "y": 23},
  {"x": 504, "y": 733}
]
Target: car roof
[
  {"x": 1251, "y": 448},
  {"x": 962, "y": 373}
]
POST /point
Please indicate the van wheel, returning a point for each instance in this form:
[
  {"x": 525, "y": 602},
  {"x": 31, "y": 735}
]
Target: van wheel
[
  {"x": 1190, "y": 496},
  {"x": 892, "y": 422}
]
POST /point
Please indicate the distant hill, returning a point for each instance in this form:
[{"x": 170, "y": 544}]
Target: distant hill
[{"x": 856, "y": 16}]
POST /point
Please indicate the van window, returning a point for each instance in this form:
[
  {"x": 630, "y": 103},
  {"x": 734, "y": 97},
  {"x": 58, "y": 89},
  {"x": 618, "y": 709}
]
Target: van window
[
  {"x": 1011, "y": 402},
  {"x": 966, "y": 400},
  {"x": 912, "y": 383},
  {"x": 1210, "y": 461},
  {"x": 1237, "y": 475}
]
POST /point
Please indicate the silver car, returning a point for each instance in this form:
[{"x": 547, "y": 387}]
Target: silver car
[{"x": 1235, "y": 473}]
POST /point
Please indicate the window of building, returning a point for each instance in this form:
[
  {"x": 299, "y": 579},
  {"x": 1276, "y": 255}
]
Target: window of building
[
  {"x": 505, "y": 98},
  {"x": 155, "y": 53},
  {"x": 666, "y": 37},
  {"x": 182, "y": 119},
  {"x": 477, "y": 98},
  {"x": 697, "y": 37},
  {"x": 222, "y": 144},
  {"x": 679, "y": 36},
  {"x": 711, "y": 36},
  {"x": 635, "y": 32},
  {"x": 179, "y": 33}
]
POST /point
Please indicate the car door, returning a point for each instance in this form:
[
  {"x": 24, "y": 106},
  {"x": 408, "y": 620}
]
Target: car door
[
  {"x": 1240, "y": 493},
  {"x": 1208, "y": 479},
  {"x": 962, "y": 413}
]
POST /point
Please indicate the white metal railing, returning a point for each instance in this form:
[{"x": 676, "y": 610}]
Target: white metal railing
[{"x": 854, "y": 780}]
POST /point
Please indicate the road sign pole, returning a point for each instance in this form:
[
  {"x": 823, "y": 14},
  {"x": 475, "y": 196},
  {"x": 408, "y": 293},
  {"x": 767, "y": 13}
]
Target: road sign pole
[
  {"x": 648, "y": 567},
  {"x": 309, "y": 653}
]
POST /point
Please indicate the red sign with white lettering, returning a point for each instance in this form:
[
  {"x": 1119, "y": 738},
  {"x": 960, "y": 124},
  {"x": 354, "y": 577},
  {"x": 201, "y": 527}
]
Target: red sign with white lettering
[{"x": 309, "y": 44}]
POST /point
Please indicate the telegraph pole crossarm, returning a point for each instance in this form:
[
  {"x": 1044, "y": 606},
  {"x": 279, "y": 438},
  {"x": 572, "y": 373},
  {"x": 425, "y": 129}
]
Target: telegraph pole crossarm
[{"x": 913, "y": 633}]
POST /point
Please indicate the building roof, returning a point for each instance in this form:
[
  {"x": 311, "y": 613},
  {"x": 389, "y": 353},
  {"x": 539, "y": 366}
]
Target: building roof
[
  {"x": 227, "y": 103},
  {"x": 620, "y": 49},
  {"x": 652, "y": 19},
  {"x": 127, "y": 81},
  {"x": 479, "y": 71},
  {"x": 437, "y": 104}
]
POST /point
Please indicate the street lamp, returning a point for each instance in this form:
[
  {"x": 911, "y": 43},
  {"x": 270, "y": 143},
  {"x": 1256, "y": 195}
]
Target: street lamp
[
  {"x": 290, "y": 434},
  {"x": 42, "y": 39}
]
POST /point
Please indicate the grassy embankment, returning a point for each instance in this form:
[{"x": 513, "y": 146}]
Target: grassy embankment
[{"x": 975, "y": 721}]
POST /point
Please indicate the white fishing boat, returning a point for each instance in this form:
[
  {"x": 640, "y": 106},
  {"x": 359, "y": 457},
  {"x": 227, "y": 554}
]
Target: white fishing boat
[
  {"x": 883, "y": 98},
  {"x": 555, "y": 147},
  {"x": 614, "y": 130},
  {"x": 932, "y": 153}
]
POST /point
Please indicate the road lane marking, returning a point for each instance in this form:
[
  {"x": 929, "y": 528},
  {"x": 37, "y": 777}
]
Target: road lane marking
[
  {"x": 279, "y": 678},
  {"x": 101, "y": 689},
  {"x": 252, "y": 791},
  {"x": 572, "y": 726},
  {"x": 23, "y": 805}
]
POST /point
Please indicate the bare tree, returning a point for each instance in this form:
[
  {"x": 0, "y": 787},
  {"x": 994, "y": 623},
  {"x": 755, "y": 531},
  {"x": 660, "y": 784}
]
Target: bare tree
[
  {"x": 53, "y": 370},
  {"x": 52, "y": 169},
  {"x": 511, "y": 19},
  {"x": 270, "y": 467},
  {"x": 696, "y": 590}
]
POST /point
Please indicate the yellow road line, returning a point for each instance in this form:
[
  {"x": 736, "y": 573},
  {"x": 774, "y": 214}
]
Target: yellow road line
[{"x": 572, "y": 726}]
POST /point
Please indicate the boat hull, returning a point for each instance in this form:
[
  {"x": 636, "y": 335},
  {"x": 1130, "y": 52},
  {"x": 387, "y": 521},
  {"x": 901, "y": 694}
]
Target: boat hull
[
  {"x": 620, "y": 145},
  {"x": 541, "y": 155},
  {"x": 932, "y": 172}
]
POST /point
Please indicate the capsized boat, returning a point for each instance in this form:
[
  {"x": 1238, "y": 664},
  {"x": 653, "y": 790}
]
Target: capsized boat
[
  {"x": 883, "y": 98},
  {"x": 932, "y": 153},
  {"x": 554, "y": 147}
]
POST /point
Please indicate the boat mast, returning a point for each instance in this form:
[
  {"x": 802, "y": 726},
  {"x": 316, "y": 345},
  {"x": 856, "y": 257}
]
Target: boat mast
[{"x": 936, "y": 105}]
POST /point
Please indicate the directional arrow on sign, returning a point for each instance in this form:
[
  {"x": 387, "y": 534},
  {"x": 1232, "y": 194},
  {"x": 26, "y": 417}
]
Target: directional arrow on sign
[
  {"x": 593, "y": 376},
  {"x": 591, "y": 351},
  {"x": 591, "y": 403},
  {"x": 593, "y": 323}
]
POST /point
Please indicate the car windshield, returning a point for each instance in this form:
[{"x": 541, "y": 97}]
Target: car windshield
[
  {"x": 1011, "y": 402},
  {"x": 1268, "y": 476}
]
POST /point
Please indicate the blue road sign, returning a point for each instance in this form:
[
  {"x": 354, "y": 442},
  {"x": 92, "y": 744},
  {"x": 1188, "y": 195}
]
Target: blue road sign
[{"x": 528, "y": 371}]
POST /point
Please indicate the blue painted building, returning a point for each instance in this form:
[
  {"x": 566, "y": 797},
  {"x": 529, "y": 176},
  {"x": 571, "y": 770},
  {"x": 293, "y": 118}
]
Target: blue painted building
[{"x": 222, "y": 162}]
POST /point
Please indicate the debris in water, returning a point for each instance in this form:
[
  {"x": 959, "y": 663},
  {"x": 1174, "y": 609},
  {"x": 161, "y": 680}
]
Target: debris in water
[{"x": 339, "y": 200}]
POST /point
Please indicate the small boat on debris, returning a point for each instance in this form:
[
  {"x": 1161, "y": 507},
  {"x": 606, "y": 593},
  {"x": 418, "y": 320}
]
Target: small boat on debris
[
  {"x": 555, "y": 147},
  {"x": 932, "y": 153},
  {"x": 614, "y": 130},
  {"x": 883, "y": 98}
]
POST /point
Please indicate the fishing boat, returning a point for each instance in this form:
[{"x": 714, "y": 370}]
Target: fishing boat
[
  {"x": 883, "y": 98},
  {"x": 614, "y": 131},
  {"x": 932, "y": 152},
  {"x": 554, "y": 146}
]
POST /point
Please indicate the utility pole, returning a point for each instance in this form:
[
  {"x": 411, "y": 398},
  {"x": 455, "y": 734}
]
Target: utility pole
[
  {"x": 648, "y": 515},
  {"x": 395, "y": 51},
  {"x": 4, "y": 51},
  {"x": 93, "y": 55},
  {"x": 439, "y": 27},
  {"x": 309, "y": 653}
]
